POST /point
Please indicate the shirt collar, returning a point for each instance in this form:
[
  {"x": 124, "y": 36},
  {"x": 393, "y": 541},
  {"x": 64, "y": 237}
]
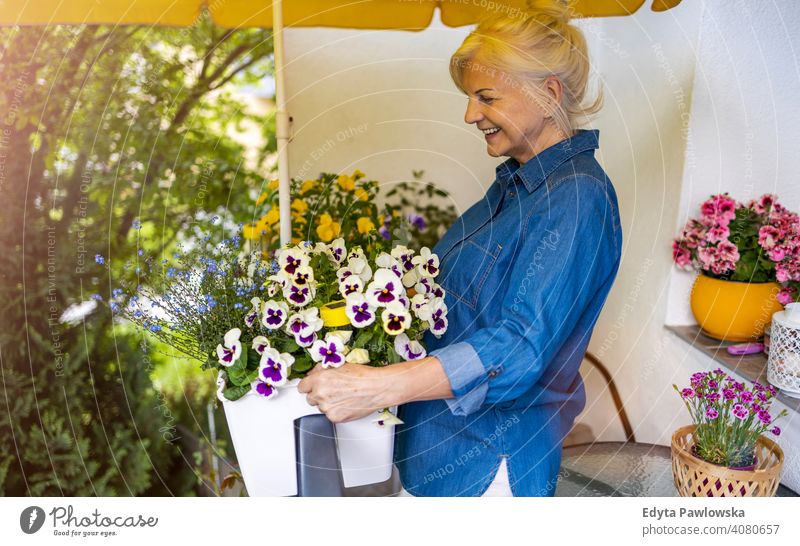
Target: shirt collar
[{"x": 539, "y": 167}]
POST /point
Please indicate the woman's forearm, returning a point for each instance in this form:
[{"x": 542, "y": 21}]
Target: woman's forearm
[{"x": 416, "y": 380}]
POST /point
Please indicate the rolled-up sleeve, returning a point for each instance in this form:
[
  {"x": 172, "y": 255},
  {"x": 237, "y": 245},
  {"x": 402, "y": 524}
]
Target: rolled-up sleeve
[{"x": 569, "y": 248}]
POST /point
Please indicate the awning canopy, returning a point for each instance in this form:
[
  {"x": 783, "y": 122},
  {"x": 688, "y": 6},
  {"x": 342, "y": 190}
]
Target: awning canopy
[{"x": 359, "y": 14}]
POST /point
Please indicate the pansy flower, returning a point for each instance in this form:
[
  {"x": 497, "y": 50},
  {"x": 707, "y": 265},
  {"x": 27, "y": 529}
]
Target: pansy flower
[
  {"x": 360, "y": 266},
  {"x": 404, "y": 256},
  {"x": 292, "y": 258},
  {"x": 387, "y": 261},
  {"x": 304, "y": 323},
  {"x": 411, "y": 277},
  {"x": 384, "y": 289},
  {"x": 337, "y": 250},
  {"x": 438, "y": 320},
  {"x": 264, "y": 389},
  {"x": 359, "y": 310},
  {"x": 299, "y": 295},
  {"x": 407, "y": 348},
  {"x": 303, "y": 276},
  {"x": 274, "y": 367},
  {"x": 231, "y": 348},
  {"x": 396, "y": 318},
  {"x": 260, "y": 344},
  {"x": 329, "y": 351},
  {"x": 275, "y": 314},
  {"x": 426, "y": 262},
  {"x": 351, "y": 284},
  {"x": 357, "y": 356},
  {"x": 251, "y": 317}
]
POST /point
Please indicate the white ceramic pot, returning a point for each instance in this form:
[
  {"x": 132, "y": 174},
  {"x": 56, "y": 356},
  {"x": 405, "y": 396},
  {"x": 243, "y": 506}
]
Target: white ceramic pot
[{"x": 263, "y": 437}]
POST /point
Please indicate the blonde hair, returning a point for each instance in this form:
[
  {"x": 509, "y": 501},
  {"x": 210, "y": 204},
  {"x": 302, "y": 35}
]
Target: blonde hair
[{"x": 532, "y": 45}]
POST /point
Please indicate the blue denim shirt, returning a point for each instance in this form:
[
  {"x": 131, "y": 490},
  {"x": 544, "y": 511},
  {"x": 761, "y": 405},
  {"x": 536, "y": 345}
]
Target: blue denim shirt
[{"x": 526, "y": 271}]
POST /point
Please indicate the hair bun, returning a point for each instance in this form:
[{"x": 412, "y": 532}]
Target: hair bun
[{"x": 549, "y": 12}]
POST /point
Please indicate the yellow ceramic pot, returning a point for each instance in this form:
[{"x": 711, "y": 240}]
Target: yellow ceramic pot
[
  {"x": 734, "y": 311},
  {"x": 333, "y": 314}
]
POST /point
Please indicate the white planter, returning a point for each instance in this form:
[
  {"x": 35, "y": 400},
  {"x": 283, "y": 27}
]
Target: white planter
[{"x": 263, "y": 437}]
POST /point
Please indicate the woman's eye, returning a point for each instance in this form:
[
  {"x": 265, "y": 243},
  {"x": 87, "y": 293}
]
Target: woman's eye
[{"x": 486, "y": 100}]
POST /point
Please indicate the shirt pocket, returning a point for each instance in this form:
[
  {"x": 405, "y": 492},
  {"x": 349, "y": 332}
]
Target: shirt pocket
[{"x": 465, "y": 269}]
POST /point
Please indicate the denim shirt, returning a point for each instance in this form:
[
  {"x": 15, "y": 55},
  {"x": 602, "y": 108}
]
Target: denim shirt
[{"x": 526, "y": 271}]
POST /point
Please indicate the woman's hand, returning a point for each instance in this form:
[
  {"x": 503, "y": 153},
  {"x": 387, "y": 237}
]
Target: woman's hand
[
  {"x": 353, "y": 391},
  {"x": 346, "y": 393}
]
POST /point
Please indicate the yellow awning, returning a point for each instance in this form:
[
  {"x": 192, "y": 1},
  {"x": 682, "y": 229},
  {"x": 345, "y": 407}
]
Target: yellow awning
[{"x": 363, "y": 14}]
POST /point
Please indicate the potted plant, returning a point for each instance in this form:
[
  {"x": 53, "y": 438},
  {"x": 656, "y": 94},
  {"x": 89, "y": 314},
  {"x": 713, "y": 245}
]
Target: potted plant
[
  {"x": 263, "y": 324},
  {"x": 748, "y": 258},
  {"x": 725, "y": 453}
]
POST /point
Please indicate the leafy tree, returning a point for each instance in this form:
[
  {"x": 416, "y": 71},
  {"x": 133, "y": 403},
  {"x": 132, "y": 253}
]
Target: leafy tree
[{"x": 106, "y": 134}]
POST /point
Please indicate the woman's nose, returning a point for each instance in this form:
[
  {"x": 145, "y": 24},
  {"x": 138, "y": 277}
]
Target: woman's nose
[{"x": 473, "y": 113}]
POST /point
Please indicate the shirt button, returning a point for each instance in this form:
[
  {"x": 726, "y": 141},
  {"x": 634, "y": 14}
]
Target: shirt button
[
  {"x": 493, "y": 373},
  {"x": 511, "y": 194}
]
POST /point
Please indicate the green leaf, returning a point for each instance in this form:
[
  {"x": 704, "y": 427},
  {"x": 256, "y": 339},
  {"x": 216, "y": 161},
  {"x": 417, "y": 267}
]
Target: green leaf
[
  {"x": 235, "y": 393},
  {"x": 362, "y": 339}
]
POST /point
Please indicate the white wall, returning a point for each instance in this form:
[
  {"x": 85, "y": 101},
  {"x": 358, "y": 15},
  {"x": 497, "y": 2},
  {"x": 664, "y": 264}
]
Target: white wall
[{"x": 383, "y": 102}]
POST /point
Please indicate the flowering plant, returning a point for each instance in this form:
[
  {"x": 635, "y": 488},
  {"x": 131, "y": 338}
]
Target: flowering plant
[
  {"x": 729, "y": 417},
  {"x": 333, "y": 206},
  {"x": 754, "y": 242},
  {"x": 264, "y": 323}
]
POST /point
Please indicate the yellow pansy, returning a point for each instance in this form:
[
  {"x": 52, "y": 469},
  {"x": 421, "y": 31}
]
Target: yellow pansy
[
  {"x": 262, "y": 226},
  {"x": 327, "y": 229},
  {"x": 395, "y": 213},
  {"x": 365, "y": 225},
  {"x": 262, "y": 198},
  {"x": 296, "y": 240},
  {"x": 362, "y": 194},
  {"x": 273, "y": 184},
  {"x": 358, "y": 174},
  {"x": 307, "y": 186},
  {"x": 251, "y": 231},
  {"x": 272, "y": 216},
  {"x": 299, "y": 206},
  {"x": 346, "y": 182}
]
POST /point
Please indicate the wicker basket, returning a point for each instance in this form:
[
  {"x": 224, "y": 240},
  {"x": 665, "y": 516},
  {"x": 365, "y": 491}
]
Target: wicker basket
[{"x": 695, "y": 477}]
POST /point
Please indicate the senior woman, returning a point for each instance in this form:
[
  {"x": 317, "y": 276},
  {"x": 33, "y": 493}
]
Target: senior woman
[{"x": 526, "y": 271}]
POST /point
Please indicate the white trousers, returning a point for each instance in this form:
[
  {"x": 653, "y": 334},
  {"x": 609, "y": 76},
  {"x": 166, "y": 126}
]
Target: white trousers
[{"x": 498, "y": 488}]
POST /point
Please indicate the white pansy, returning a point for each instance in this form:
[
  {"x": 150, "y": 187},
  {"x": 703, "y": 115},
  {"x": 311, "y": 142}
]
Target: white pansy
[
  {"x": 396, "y": 319},
  {"x": 350, "y": 285},
  {"x": 408, "y": 348},
  {"x": 411, "y": 277},
  {"x": 426, "y": 263},
  {"x": 357, "y": 356},
  {"x": 360, "y": 267},
  {"x": 343, "y": 335}
]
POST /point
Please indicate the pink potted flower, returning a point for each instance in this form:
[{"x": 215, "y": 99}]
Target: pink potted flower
[{"x": 748, "y": 258}]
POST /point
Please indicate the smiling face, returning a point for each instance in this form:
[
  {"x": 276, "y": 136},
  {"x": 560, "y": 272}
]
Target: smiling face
[{"x": 512, "y": 121}]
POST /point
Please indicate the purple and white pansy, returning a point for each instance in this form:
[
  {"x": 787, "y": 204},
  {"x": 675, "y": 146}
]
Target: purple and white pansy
[
  {"x": 409, "y": 349},
  {"x": 387, "y": 261},
  {"x": 260, "y": 344},
  {"x": 252, "y": 317},
  {"x": 438, "y": 319},
  {"x": 358, "y": 264},
  {"x": 360, "y": 312},
  {"x": 304, "y": 325},
  {"x": 299, "y": 296},
  {"x": 275, "y": 314},
  {"x": 396, "y": 318},
  {"x": 337, "y": 250},
  {"x": 403, "y": 255},
  {"x": 290, "y": 259},
  {"x": 329, "y": 351},
  {"x": 274, "y": 367},
  {"x": 231, "y": 348},
  {"x": 384, "y": 289},
  {"x": 426, "y": 262},
  {"x": 350, "y": 285}
]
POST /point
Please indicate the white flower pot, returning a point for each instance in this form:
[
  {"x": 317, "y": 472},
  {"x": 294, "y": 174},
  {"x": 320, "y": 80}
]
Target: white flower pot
[{"x": 263, "y": 437}]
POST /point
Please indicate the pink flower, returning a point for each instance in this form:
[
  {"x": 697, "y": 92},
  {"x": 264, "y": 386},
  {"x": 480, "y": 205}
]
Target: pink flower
[
  {"x": 719, "y": 210},
  {"x": 785, "y": 296},
  {"x": 767, "y": 237},
  {"x": 718, "y": 234},
  {"x": 728, "y": 251},
  {"x": 681, "y": 255},
  {"x": 765, "y": 203},
  {"x": 777, "y": 254}
]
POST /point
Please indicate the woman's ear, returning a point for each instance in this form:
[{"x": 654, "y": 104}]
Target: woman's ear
[{"x": 554, "y": 88}]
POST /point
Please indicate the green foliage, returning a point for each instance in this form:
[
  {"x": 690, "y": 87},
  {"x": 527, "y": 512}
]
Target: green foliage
[{"x": 102, "y": 127}]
